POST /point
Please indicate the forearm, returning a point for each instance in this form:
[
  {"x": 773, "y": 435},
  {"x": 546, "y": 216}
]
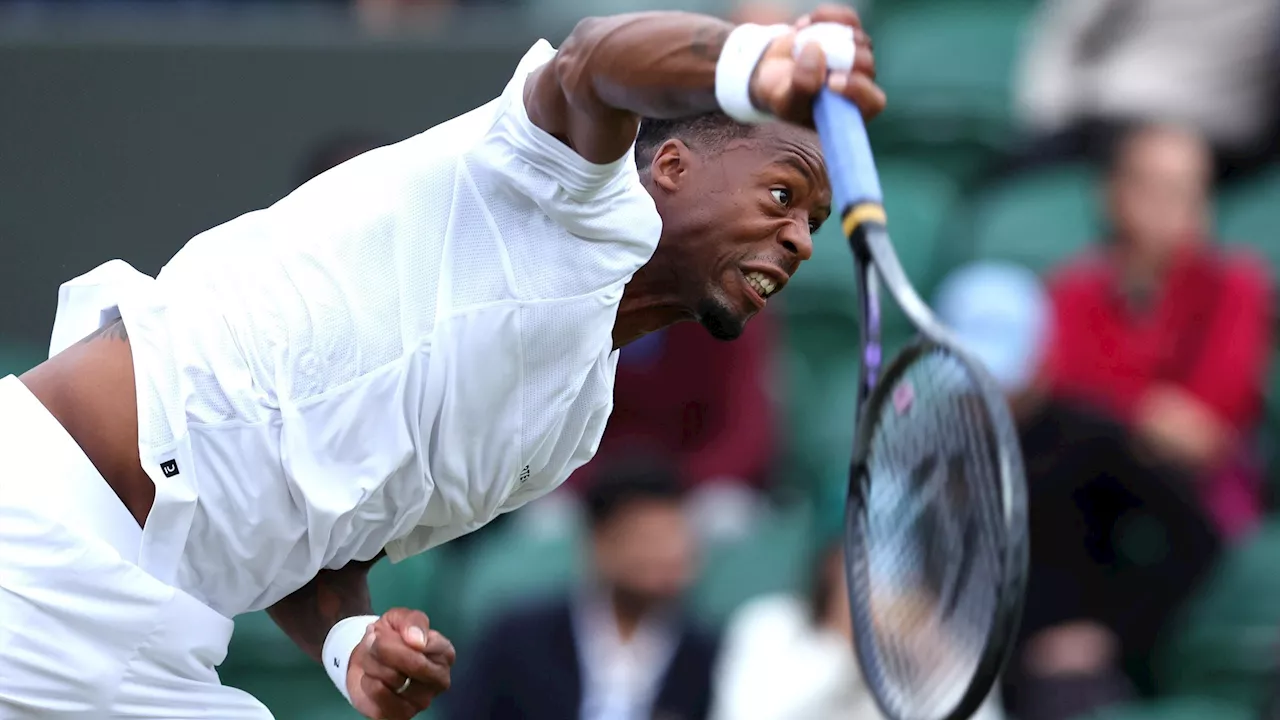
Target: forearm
[
  {"x": 307, "y": 615},
  {"x": 654, "y": 64},
  {"x": 611, "y": 71}
]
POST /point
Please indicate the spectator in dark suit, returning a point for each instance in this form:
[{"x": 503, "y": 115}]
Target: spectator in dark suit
[{"x": 619, "y": 648}]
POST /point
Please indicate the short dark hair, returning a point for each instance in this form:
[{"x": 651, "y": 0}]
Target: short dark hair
[
  {"x": 707, "y": 131},
  {"x": 628, "y": 480},
  {"x": 1117, "y": 146}
]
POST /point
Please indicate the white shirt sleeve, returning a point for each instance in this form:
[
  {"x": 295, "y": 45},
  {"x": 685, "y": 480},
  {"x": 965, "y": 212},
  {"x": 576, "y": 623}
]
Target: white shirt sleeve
[
  {"x": 535, "y": 146},
  {"x": 571, "y": 227}
]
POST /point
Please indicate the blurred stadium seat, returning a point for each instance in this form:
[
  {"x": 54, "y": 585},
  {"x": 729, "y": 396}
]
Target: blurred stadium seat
[
  {"x": 1248, "y": 214},
  {"x": 946, "y": 66},
  {"x": 1227, "y": 646},
  {"x": 509, "y": 566},
  {"x": 1181, "y": 708},
  {"x": 1037, "y": 219},
  {"x": 774, "y": 558},
  {"x": 1247, "y": 218},
  {"x": 18, "y": 357}
]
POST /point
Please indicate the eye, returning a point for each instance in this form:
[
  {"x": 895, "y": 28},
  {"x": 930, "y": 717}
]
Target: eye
[
  {"x": 782, "y": 195},
  {"x": 814, "y": 225}
]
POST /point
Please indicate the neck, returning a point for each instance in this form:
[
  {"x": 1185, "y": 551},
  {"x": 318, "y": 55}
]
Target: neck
[
  {"x": 1140, "y": 272},
  {"x": 627, "y": 620},
  {"x": 628, "y": 612},
  {"x": 648, "y": 304}
]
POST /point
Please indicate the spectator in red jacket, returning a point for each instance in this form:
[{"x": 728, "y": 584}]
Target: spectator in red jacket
[
  {"x": 1167, "y": 332},
  {"x": 1152, "y": 385}
]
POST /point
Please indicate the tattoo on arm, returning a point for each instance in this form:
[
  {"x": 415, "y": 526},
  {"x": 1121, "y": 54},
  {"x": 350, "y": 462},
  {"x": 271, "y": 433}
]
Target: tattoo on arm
[
  {"x": 612, "y": 71},
  {"x": 708, "y": 42},
  {"x": 113, "y": 330},
  {"x": 307, "y": 615}
]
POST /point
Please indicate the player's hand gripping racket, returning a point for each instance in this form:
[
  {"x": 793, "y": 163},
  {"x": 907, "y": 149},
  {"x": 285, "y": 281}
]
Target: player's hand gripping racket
[{"x": 935, "y": 527}]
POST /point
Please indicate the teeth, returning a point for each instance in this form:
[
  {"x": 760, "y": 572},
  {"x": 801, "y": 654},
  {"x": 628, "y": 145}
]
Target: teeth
[{"x": 762, "y": 283}]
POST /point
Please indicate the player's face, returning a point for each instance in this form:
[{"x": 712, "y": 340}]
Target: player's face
[{"x": 762, "y": 199}]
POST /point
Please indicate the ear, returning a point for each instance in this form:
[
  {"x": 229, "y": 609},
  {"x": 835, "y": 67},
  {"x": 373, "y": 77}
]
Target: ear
[{"x": 670, "y": 165}]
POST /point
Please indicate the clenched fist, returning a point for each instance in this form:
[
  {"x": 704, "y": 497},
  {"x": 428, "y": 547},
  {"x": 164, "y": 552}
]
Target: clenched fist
[
  {"x": 785, "y": 84},
  {"x": 399, "y": 667}
]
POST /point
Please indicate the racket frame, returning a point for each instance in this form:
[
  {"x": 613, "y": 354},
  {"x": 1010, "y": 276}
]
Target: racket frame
[{"x": 875, "y": 260}]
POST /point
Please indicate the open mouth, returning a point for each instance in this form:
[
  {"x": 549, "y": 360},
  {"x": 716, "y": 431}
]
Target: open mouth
[{"x": 762, "y": 284}]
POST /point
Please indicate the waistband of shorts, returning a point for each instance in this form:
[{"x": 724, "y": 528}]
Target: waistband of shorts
[{"x": 43, "y": 468}]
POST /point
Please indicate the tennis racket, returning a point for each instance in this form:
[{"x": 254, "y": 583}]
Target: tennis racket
[{"x": 935, "y": 522}]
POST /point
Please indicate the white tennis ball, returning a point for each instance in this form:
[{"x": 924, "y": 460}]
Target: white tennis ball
[{"x": 836, "y": 41}]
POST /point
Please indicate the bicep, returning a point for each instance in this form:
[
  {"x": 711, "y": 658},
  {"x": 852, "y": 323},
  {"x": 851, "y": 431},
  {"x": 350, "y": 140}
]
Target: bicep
[{"x": 561, "y": 100}]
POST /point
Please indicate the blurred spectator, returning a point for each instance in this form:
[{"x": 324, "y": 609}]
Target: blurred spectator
[
  {"x": 1137, "y": 453},
  {"x": 1165, "y": 331},
  {"x": 683, "y": 394},
  {"x": 803, "y": 645},
  {"x": 1000, "y": 312},
  {"x": 619, "y": 648},
  {"x": 1094, "y": 68}
]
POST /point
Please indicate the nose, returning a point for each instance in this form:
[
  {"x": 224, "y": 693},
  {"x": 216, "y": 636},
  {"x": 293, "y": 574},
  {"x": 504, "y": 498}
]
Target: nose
[{"x": 797, "y": 240}]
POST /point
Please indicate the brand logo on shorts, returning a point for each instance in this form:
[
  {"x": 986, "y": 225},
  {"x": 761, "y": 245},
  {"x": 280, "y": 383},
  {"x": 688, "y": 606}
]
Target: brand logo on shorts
[
  {"x": 524, "y": 474},
  {"x": 169, "y": 468}
]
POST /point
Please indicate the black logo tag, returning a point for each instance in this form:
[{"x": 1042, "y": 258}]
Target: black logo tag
[
  {"x": 169, "y": 468},
  {"x": 524, "y": 474}
]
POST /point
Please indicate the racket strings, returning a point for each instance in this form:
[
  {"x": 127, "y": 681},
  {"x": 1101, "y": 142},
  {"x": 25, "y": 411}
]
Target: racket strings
[{"x": 932, "y": 520}]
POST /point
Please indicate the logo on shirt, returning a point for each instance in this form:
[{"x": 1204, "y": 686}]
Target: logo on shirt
[
  {"x": 169, "y": 468},
  {"x": 904, "y": 395},
  {"x": 524, "y": 474}
]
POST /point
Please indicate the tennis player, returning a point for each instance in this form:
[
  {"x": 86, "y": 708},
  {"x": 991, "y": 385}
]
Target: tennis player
[{"x": 386, "y": 359}]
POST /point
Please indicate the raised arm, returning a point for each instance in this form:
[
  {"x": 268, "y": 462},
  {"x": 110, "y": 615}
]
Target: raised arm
[{"x": 612, "y": 71}]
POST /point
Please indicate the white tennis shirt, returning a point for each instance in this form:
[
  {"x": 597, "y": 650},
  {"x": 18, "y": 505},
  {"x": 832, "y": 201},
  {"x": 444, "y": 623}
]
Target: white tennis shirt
[{"x": 403, "y": 348}]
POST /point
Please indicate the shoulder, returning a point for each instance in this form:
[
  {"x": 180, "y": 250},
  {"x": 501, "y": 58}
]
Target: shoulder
[
  {"x": 698, "y": 638},
  {"x": 521, "y": 142},
  {"x": 767, "y": 619},
  {"x": 531, "y": 619},
  {"x": 1246, "y": 270},
  {"x": 568, "y": 225},
  {"x": 1084, "y": 273}
]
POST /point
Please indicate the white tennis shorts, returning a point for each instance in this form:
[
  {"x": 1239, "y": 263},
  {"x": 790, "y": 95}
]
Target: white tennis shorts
[{"x": 84, "y": 632}]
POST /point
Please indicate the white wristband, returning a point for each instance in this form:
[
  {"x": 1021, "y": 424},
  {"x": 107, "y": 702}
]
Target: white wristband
[
  {"x": 738, "y": 59},
  {"x": 338, "y": 645},
  {"x": 836, "y": 41}
]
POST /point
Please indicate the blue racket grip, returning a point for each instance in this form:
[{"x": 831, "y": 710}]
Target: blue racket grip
[{"x": 847, "y": 151}]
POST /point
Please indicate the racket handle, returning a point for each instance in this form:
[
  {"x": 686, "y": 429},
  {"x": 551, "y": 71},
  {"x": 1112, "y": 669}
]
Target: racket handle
[{"x": 847, "y": 151}]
